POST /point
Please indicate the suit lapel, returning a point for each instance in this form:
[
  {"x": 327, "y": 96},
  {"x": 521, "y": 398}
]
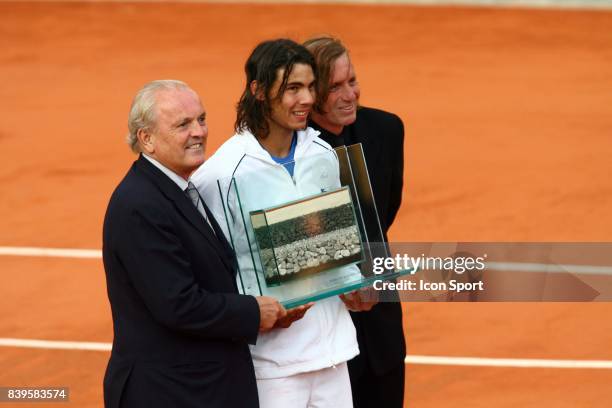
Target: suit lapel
[
  {"x": 371, "y": 141},
  {"x": 229, "y": 251},
  {"x": 187, "y": 209}
]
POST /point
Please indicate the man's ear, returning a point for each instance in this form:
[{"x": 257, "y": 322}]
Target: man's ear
[
  {"x": 145, "y": 139},
  {"x": 255, "y": 91}
]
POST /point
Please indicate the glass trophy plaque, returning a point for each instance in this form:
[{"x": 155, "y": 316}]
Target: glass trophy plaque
[{"x": 300, "y": 229}]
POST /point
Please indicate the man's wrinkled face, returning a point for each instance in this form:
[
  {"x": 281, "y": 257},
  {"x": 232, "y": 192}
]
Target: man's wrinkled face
[
  {"x": 179, "y": 137},
  {"x": 340, "y": 108}
]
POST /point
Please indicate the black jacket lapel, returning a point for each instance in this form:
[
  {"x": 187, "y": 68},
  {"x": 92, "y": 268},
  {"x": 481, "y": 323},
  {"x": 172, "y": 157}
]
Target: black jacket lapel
[
  {"x": 371, "y": 141},
  {"x": 186, "y": 208},
  {"x": 229, "y": 252}
]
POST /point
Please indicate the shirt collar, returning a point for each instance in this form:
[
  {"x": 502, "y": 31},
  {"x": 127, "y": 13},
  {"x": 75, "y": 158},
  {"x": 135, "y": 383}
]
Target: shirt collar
[
  {"x": 253, "y": 147},
  {"x": 181, "y": 182}
]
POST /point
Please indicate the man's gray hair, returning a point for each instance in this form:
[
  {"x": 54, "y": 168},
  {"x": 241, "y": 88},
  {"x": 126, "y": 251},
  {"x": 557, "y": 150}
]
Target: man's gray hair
[{"x": 142, "y": 111}]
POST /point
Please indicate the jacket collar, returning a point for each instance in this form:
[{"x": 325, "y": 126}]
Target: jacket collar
[
  {"x": 360, "y": 131},
  {"x": 178, "y": 180},
  {"x": 253, "y": 148},
  {"x": 185, "y": 207}
]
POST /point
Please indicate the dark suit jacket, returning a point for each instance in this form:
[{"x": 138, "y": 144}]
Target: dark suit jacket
[
  {"x": 379, "y": 331},
  {"x": 180, "y": 327}
]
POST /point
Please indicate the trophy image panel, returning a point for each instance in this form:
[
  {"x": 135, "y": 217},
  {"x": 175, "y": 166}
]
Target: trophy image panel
[{"x": 307, "y": 236}]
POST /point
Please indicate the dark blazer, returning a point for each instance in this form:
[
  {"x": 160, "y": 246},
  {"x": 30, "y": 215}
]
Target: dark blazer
[
  {"x": 180, "y": 327},
  {"x": 379, "y": 331}
]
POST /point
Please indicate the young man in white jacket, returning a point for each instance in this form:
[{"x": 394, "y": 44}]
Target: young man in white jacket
[{"x": 304, "y": 365}]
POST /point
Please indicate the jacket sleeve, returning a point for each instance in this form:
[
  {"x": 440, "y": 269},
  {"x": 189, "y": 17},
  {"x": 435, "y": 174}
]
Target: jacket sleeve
[
  {"x": 397, "y": 177},
  {"x": 160, "y": 270}
]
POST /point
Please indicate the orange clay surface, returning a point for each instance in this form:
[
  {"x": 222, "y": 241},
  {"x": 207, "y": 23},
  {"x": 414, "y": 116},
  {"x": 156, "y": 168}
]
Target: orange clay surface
[{"x": 508, "y": 138}]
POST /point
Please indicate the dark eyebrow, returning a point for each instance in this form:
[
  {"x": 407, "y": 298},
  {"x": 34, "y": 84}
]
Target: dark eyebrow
[{"x": 301, "y": 83}]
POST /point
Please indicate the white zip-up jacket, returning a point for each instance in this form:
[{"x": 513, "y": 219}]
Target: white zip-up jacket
[{"x": 325, "y": 336}]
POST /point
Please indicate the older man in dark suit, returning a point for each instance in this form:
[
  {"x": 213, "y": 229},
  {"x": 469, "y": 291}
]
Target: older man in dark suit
[
  {"x": 180, "y": 327},
  {"x": 377, "y": 373}
]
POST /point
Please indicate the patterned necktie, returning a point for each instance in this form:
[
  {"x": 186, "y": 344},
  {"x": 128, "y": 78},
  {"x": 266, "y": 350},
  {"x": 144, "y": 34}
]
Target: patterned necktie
[{"x": 192, "y": 192}]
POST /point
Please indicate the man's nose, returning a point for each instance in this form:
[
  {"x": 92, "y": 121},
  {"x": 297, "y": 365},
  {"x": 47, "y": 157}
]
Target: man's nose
[
  {"x": 199, "y": 129},
  {"x": 348, "y": 93},
  {"x": 307, "y": 97}
]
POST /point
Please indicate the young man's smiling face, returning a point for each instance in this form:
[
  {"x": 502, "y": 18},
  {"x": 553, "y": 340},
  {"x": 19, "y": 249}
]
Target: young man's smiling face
[{"x": 290, "y": 111}]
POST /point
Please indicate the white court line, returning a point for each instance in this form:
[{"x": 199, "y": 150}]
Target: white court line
[
  {"x": 506, "y": 362},
  {"x": 54, "y": 344},
  {"x": 567, "y": 4},
  {"x": 495, "y": 266},
  {"x": 51, "y": 252},
  {"x": 552, "y": 268},
  {"x": 410, "y": 359}
]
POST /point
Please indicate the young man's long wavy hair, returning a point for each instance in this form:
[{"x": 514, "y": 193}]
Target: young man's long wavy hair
[{"x": 262, "y": 66}]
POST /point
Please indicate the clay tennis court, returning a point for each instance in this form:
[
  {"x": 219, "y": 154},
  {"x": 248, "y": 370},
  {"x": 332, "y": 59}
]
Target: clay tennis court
[{"x": 508, "y": 138}]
